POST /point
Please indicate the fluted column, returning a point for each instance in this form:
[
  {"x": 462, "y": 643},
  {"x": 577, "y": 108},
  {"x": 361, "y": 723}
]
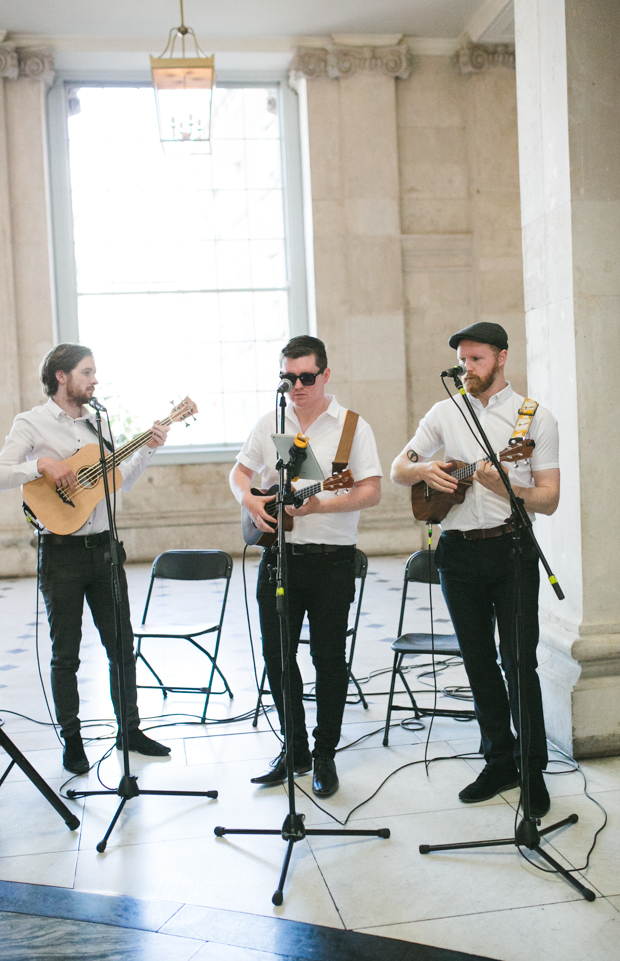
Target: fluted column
[{"x": 350, "y": 97}]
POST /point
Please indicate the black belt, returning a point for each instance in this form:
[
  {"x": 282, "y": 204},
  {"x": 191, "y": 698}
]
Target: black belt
[
  {"x": 483, "y": 533},
  {"x": 76, "y": 540},
  {"x": 318, "y": 548}
]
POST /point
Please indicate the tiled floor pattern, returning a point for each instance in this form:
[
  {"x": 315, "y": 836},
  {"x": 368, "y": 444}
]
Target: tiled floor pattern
[{"x": 486, "y": 902}]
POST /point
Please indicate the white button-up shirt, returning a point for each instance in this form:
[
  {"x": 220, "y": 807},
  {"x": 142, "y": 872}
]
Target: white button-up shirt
[
  {"x": 444, "y": 426},
  {"x": 48, "y": 431},
  {"x": 259, "y": 454}
]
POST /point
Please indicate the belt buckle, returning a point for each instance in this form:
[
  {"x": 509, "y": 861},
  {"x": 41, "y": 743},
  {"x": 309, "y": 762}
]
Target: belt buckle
[
  {"x": 91, "y": 537},
  {"x": 297, "y": 553}
]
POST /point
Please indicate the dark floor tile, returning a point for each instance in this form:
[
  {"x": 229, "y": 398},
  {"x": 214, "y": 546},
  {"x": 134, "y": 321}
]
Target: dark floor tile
[{"x": 53, "y": 902}]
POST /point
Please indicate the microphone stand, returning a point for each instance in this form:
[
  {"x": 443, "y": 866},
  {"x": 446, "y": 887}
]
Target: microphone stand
[
  {"x": 293, "y": 828},
  {"x": 527, "y": 833},
  {"x": 128, "y": 785}
]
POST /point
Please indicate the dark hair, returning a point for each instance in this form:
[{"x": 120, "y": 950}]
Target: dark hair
[
  {"x": 64, "y": 357},
  {"x": 304, "y": 346}
]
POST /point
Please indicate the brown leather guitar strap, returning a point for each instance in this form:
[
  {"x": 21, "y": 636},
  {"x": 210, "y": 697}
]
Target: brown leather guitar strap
[{"x": 346, "y": 442}]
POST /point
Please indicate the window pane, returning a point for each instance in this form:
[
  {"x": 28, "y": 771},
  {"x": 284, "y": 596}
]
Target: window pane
[{"x": 181, "y": 260}]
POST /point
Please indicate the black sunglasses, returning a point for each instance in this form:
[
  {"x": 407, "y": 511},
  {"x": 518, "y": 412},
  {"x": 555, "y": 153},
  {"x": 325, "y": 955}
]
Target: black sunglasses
[{"x": 307, "y": 379}]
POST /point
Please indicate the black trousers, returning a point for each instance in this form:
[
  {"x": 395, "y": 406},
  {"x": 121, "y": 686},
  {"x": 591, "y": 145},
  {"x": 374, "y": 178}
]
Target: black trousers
[
  {"x": 478, "y": 583},
  {"x": 323, "y": 586},
  {"x": 68, "y": 574}
]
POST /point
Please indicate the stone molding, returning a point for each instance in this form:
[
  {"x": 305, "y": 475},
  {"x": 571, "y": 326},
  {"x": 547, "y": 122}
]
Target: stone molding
[
  {"x": 36, "y": 64},
  {"x": 9, "y": 64},
  {"x": 337, "y": 61},
  {"x": 473, "y": 57}
]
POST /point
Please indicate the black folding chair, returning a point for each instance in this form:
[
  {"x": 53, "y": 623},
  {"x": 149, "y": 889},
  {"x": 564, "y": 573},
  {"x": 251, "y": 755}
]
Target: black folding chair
[
  {"x": 445, "y": 645},
  {"x": 187, "y": 566},
  {"x": 361, "y": 569}
]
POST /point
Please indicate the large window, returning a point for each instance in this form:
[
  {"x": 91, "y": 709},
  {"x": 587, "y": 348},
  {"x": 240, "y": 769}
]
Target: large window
[{"x": 182, "y": 263}]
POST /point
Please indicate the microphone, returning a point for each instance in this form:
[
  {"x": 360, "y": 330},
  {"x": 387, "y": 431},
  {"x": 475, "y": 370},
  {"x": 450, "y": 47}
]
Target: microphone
[
  {"x": 457, "y": 371},
  {"x": 284, "y": 386},
  {"x": 97, "y": 405}
]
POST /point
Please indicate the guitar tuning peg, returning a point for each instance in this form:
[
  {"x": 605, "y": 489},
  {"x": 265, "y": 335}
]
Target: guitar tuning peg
[{"x": 194, "y": 419}]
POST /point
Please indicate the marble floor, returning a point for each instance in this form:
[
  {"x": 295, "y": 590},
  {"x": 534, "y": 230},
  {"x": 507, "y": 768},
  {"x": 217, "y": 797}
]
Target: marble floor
[{"x": 486, "y": 902}]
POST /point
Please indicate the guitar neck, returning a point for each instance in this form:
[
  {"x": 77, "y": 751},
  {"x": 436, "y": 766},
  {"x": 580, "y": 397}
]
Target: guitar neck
[
  {"x": 133, "y": 445},
  {"x": 468, "y": 470}
]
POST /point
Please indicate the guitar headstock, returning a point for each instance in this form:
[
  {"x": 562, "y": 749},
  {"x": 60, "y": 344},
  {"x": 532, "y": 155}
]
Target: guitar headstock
[
  {"x": 339, "y": 482},
  {"x": 181, "y": 411},
  {"x": 521, "y": 449}
]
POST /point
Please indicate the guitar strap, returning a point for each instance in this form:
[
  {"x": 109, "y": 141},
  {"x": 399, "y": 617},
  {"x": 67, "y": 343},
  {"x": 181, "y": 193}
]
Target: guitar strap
[
  {"x": 526, "y": 415},
  {"x": 346, "y": 442},
  {"x": 94, "y": 430}
]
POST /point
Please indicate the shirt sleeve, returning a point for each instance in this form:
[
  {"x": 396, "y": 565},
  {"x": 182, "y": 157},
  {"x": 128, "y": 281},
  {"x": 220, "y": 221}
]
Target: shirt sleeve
[
  {"x": 15, "y": 468},
  {"x": 135, "y": 467},
  {"x": 252, "y": 454},
  {"x": 545, "y": 433},
  {"x": 364, "y": 460},
  {"x": 428, "y": 438}
]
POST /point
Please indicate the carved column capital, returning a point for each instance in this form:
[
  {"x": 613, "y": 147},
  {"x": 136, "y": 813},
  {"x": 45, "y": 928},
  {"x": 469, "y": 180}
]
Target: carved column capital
[
  {"x": 9, "y": 67},
  {"x": 338, "y": 61},
  {"x": 36, "y": 64},
  {"x": 473, "y": 57}
]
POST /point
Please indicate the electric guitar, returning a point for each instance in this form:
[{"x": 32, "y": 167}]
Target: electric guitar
[
  {"x": 432, "y": 505},
  {"x": 64, "y": 510},
  {"x": 251, "y": 533}
]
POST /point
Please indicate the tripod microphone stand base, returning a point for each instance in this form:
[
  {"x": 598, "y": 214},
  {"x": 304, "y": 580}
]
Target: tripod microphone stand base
[
  {"x": 127, "y": 789},
  {"x": 528, "y": 836},
  {"x": 293, "y": 829}
]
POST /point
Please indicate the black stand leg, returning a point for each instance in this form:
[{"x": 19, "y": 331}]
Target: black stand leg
[
  {"x": 527, "y": 834},
  {"x": 293, "y": 829},
  {"x": 128, "y": 785},
  {"x": 18, "y": 758}
]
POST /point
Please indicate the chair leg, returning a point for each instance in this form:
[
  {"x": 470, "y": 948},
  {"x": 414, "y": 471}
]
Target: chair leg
[
  {"x": 408, "y": 689},
  {"x": 395, "y": 667},
  {"x": 259, "y": 702},
  {"x": 140, "y": 656},
  {"x": 353, "y": 679}
]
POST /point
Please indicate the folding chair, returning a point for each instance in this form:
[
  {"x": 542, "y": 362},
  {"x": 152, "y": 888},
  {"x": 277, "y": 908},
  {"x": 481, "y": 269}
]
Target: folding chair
[
  {"x": 417, "y": 571},
  {"x": 187, "y": 566},
  {"x": 361, "y": 569}
]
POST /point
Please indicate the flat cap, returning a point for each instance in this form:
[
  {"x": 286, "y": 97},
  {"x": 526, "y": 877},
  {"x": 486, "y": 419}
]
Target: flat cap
[{"x": 483, "y": 333}]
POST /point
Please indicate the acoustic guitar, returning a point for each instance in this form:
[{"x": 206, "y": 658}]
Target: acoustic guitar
[
  {"x": 251, "y": 533},
  {"x": 64, "y": 510},
  {"x": 432, "y": 505}
]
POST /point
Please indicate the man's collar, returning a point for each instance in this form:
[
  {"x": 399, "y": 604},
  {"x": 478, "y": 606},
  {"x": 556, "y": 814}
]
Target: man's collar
[
  {"x": 495, "y": 400},
  {"x": 58, "y": 411}
]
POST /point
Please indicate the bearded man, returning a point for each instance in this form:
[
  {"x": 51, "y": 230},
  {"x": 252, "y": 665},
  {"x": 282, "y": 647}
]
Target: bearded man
[
  {"x": 474, "y": 555},
  {"x": 77, "y": 566}
]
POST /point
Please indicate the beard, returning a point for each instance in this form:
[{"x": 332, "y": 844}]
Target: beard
[
  {"x": 476, "y": 385},
  {"x": 76, "y": 395}
]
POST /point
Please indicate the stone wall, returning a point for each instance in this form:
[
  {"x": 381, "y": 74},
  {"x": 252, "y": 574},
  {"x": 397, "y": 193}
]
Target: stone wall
[{"x": 413, "y": 178}]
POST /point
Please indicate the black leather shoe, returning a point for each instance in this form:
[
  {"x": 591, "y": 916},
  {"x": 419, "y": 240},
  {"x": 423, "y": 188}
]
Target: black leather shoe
[
  {"x": 277, "y": 772},
  {"x": 325, "y": 779},
  {"x": 493, "y": 779},
  {"x": 539, "y": 795},
  {"x": 141, "y": 744},
  {"x": 74, "y": 757}
]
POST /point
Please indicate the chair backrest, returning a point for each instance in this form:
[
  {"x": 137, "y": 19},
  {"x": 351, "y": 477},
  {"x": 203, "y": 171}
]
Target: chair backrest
[
  {"x": 361, "y": 564},
  {"x": 420, "y": 566},
  {"x": 417, "y": 570},
  {"x": 193, "y": 565}
]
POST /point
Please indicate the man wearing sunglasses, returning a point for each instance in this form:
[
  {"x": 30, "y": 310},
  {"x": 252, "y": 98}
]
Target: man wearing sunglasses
[{"x": 320, "y": 554}]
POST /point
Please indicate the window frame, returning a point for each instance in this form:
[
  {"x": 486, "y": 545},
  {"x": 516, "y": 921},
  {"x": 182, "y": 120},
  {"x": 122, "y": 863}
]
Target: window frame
[{"x": 61, "y": 215}]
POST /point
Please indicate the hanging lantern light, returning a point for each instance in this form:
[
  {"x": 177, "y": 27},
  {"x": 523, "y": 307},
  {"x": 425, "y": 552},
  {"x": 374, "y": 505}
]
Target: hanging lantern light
[{"x": 183, "y": 94}]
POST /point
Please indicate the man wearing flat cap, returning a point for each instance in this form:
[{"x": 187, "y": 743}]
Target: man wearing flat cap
[{"x": 474, "y": 553}]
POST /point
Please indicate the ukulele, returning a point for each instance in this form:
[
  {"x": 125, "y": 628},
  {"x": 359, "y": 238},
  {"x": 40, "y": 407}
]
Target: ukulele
[
  {"x": 64, "y": 510},
  {"x": 432, "y": 505},
  {"x": 251, "y": 533}
]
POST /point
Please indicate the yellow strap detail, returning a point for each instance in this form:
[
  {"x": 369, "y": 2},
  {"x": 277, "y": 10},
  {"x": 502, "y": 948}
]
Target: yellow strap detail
[{"x": 526, "y": 414}]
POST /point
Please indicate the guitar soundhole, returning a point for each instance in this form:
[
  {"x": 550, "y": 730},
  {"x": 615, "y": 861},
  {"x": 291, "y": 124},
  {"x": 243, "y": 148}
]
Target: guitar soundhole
[{"x": 83, "y": 478}]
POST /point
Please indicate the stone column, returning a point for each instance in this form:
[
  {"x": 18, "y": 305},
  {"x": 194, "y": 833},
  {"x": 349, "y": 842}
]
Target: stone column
[
  {"x": 350, "y": 94},
  {"x": 26, "y": 296},
  {"x": 568, "y": 76}
]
